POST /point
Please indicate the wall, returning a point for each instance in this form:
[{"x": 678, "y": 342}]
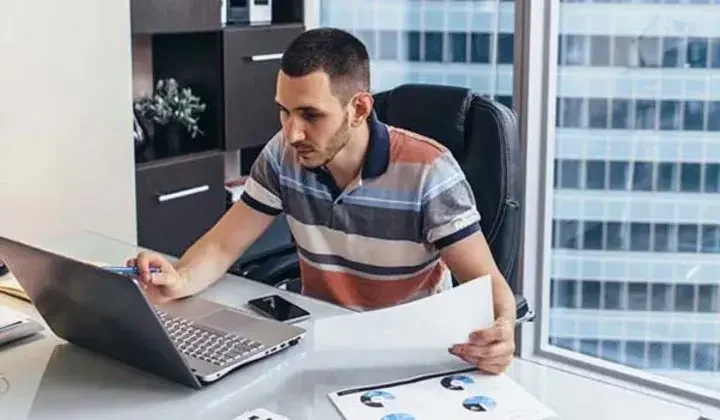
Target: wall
[{"x": 66, "y": 152}]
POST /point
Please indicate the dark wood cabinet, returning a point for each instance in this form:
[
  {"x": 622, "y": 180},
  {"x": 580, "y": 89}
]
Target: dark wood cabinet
[
  {"x": 251, "y": 60},
  {"x": 178, "y": 200},
  {"x": 170, "y": 16}
]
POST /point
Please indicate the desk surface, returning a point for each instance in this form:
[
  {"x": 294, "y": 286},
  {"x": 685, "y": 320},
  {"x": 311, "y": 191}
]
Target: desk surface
[{"x": 49, "y": 378}]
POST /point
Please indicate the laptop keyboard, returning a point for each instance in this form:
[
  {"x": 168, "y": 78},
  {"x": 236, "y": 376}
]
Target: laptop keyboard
[{"x": 208, "y": 344}]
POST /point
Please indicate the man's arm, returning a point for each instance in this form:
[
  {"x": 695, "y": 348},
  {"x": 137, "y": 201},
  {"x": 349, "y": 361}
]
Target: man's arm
[
  {"x": 211, "y": 256},
  {"x": 471, "y": 258}
]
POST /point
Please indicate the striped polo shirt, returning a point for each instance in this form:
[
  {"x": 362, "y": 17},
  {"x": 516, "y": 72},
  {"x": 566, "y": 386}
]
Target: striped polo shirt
[{"x": 375, "y": 243}]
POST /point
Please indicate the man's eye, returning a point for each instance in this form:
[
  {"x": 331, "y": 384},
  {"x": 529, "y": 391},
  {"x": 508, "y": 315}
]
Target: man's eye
[{"x": 310, "y": 117}]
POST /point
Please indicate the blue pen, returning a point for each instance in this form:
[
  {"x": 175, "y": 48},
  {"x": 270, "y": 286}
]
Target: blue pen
[{"x": 129, "y": 271}]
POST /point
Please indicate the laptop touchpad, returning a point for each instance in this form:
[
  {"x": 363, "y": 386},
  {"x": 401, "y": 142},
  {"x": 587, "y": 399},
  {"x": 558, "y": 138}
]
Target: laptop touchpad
[{"x": 226, "y": 319}]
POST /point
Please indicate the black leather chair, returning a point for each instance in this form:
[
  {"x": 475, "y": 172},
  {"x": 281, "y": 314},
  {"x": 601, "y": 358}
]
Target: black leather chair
[{"x": 483, "y": 136}]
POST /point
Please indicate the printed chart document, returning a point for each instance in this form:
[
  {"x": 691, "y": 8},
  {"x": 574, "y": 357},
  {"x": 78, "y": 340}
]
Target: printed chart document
[
  {"x": 457, "y": 395},
  {"x": 435, "y": 322}
]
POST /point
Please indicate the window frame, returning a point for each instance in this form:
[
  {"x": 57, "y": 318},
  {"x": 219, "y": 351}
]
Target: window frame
[{"x": 534, "y": 97}]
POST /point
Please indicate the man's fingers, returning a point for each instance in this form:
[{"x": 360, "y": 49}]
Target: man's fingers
[
  {"x": 498, "y": 332},
  {"x": 489, "y": 351}
]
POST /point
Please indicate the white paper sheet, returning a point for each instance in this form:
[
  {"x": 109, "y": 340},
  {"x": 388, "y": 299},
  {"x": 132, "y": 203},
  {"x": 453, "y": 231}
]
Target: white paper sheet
[
  {"x": 454, "y": 395},
  {"x": 8, "y": 317},
  {"x": 435, "y": 322}
]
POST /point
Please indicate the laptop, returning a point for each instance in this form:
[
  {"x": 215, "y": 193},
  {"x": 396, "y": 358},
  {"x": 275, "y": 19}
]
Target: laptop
[{"x": 192, "y": 341}]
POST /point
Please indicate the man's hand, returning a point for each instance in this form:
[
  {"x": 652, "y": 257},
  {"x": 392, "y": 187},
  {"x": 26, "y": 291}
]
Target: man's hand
[
  {"x": 159, "y": 287},
  {"x": 490, "y": 349}
]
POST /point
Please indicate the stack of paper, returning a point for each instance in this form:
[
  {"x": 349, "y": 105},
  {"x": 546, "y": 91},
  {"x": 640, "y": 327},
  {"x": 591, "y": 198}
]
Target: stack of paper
[{"x": 10, "y": 318}]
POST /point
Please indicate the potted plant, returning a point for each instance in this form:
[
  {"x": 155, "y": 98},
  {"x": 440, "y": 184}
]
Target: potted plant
[{"x": 174, "y": 112}]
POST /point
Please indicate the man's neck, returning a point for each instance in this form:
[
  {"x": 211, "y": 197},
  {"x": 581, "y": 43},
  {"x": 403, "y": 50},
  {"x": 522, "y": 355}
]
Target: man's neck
[{"x": 348, "y": 163}]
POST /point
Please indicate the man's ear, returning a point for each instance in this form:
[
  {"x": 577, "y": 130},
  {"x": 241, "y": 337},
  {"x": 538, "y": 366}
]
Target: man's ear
[{"x": 361, "y": 107}]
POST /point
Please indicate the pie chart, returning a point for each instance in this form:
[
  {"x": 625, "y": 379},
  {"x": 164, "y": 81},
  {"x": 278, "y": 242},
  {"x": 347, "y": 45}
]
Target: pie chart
[
  {"x": 375, "y": 398},
  {"x": 479, "y": 403}
]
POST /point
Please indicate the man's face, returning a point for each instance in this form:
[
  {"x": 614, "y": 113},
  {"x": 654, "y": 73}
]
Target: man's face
[{"x": 313, "y": 120}]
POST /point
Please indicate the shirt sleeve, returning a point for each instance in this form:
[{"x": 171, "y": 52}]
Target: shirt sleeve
[
  {"x": 262, "y": 188},
  {"x": 449, "y": 213}
]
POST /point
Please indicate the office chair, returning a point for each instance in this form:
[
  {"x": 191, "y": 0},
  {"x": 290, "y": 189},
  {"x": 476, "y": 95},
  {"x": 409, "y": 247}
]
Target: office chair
[{"x": 483, "y": 136}]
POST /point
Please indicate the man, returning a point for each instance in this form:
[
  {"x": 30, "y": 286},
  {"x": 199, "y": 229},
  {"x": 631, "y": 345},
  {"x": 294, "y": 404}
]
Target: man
[{"x": 379, "y": 214}]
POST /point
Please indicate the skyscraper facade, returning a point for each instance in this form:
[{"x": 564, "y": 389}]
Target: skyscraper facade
[{"x": 635, "y": 254}]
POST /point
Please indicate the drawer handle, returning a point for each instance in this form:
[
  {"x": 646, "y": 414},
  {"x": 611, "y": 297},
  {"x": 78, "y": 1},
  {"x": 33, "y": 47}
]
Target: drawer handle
[
  {"x": 183, "y": 193},
  {"x": 266, "y": 57}
]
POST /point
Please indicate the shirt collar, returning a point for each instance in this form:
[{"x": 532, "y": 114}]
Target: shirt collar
[{"x": 377, "y": 156}]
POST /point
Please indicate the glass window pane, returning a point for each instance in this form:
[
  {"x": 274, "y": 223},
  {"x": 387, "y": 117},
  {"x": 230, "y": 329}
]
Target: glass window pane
[
  {"x": 433, "y": 46},
  {"x": 613, "y": 295},
  {"x": 670, "y": 116},
  {"x": 619, "y": 175},
  {"x": 667, "y": 176},
  {"x": 593, "y": 235},
  {"x": 458, "y": 47},
  {"x": 649, "y": 54},
  {"x": 599, "y": 50},
  {"x": 646, "y": 117},
  {"x": 598, "y": 113},
  {"x": 573, "y": 113},
  {"x": 660, "y": 297},
  {"x": 715, "y": 53},
  {"x": 643, "y": 176},
  {"x": 640, "y": 236},
  {"x": 694, "y": 115},
  {"x": 712, "y": 177},
  {"x": 480, "y": 48},
  {"x": 713, "y": 119},
  {"x": 570, "y": 174},
  {"x": 621, "y": 113},
  {"x": 618, "y": 236},
  {"x": 413, "y": 46},
  {"x": 595, "y": 175},
  {"x": 673, "y": 52},
  {"x": 638, "y": 296},
  {"x": 639, "y": 107},
  {"x": 569, "y": 230},
  {"x": 708, "y": 298},
  {"x": 388, "y": 45},
  {"x": 688, "y": 238},
  {"x": 590, "y": 294},
  {"x": 681, "y": 356},
  {"x": 574, "y": 50},
  {"x": 690, "y": 177},
  {"x": 505, "y": 49},
  {"x": 665, "y": 238},
  {"x": 697, "y": 52},
  {"x": 565, "y": 294},
  {"x": 685, "y": 298}
]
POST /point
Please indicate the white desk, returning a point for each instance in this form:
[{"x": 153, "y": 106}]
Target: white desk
[{"x": 50, "y": 379}]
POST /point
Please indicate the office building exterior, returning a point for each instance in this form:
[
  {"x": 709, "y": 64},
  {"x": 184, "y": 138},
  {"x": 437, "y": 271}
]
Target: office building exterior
[{"x": 635, "y": 270}]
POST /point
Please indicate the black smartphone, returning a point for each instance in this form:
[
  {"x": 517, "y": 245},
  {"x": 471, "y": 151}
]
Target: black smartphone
[{"x": 278, "y": 308}]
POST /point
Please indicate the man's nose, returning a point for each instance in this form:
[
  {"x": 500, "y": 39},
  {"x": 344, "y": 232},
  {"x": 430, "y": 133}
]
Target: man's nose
[{"x": 294, "y": 131}]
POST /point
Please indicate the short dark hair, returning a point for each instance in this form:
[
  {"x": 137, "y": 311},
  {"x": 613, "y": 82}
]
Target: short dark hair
[{"x": 336, "y": 52}]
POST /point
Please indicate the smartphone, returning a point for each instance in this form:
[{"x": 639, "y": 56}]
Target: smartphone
[{"x": 279, "y": 309}]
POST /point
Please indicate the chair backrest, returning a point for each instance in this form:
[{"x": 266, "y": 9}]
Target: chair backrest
[{"x": 483, "y": 136}]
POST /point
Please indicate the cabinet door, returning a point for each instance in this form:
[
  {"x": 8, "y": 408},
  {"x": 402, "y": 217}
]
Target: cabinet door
[
  {"x": 169, "y": 16},
  {"x": 178, "y": 200},
  {"x": 251, "y": 62}
]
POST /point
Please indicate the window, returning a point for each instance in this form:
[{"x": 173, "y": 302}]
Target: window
[
  {"x": 595, "y": 175},
  {"x": 638, "y": 236}
]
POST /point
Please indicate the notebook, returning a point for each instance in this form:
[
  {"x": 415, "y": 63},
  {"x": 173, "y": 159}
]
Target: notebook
[
  {"x": 15, "y": 325},
  {"x": 10, "y": 286}
]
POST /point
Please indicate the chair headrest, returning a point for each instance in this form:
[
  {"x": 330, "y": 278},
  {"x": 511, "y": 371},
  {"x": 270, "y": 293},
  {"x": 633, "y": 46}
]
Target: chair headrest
[{"x": 437, "y": 111}]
